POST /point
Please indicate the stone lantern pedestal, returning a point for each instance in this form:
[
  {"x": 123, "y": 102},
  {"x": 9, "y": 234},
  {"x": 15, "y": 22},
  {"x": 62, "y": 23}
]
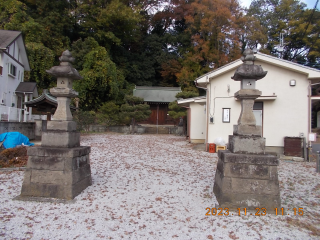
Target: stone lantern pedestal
[
  {"x": 60, "y": 168},
  {"x": 246, "y": 177}
]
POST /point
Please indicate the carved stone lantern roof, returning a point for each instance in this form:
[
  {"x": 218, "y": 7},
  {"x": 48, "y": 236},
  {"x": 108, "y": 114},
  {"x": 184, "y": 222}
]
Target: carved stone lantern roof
[
  {"x": 248, "y": 70},
  {"x": 65, "y": 69}
]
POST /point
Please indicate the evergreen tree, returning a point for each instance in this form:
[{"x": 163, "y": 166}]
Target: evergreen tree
[
  {"x": 101, "y": 81},
  {"x": 134, "y": 110}
]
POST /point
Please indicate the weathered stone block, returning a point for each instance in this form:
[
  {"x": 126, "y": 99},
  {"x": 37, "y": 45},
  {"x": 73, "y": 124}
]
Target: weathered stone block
[
  {"x": 45, "y": 163},
  {"x": 60, "y": 139},
  {"x": 249, "y": 130},
  {"x": 222, "y": 183},
  {"x": 246, "y": 144},
  {"x": 239, "y": 170},
  {"x": 59, "y": 173},
  {"x": 59, "y": 152},
  {"x": 247, "y": 93},
  {"x": 247, "y": 181},
  {"x": 68, "y": 126},
  {"x": 81, "y": 173},
  {"x": 42, "y": 190},
  {"x": 233, "y": 201},
  {"x": 51, "y": 177},
  {"x": 78, "y": 187},
  {"x": 227, "y": 156},
  {"x": 254, "y": 186},
  {"x": 71, "y": 164},
  {"x": 27, "y": 176}
]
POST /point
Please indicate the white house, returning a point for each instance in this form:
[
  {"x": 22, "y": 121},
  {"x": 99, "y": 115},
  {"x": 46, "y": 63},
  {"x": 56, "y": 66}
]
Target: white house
[
  {"x": 13, "y": 91},
  {"x": 196, "y": 115},
  {"x": 283, "y": 109}
]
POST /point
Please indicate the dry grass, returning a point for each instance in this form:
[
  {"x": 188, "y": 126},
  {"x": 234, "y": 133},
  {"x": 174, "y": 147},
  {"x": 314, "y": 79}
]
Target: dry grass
[{"x": 13, "y": 157}]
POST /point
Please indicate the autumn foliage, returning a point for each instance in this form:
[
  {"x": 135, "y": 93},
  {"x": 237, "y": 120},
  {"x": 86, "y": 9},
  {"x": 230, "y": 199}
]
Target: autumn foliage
[{"x": 121, "y": 43}]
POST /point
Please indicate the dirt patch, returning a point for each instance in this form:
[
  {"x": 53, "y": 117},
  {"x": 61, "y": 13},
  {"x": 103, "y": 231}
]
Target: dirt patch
[{"x": 13, "y": 157}]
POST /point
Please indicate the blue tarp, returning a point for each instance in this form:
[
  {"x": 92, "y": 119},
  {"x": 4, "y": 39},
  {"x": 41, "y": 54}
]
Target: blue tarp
[{"x": 12, "y": 139}]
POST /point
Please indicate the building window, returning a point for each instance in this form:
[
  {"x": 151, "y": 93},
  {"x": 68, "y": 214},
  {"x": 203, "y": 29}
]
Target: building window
[
  {"x": 1, "y": 70},
  {"x": 12, "y": 70}
]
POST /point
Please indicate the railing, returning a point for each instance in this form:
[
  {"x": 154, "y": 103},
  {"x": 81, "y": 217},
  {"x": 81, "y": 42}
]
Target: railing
[{"x": 10, "y": 114}]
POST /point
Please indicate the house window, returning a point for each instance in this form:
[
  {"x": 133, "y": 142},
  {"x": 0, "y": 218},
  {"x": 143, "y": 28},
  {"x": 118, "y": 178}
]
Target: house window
[
  {"x": 12, "y": 70},
  {"x": 1, "y": 70}
]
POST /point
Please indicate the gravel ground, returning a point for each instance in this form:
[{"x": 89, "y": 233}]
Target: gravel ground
[{"x": 157, "y": 187}]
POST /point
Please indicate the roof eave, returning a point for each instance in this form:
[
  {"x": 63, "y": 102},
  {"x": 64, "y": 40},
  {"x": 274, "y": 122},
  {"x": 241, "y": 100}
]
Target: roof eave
[
  {"x": 312, "y": 73},
  {"x": 203, "y": 80},
  {"x": 187, "y": 101}
]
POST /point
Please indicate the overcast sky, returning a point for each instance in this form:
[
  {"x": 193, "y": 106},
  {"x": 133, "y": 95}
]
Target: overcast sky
[{"x": 310, "y": 3}]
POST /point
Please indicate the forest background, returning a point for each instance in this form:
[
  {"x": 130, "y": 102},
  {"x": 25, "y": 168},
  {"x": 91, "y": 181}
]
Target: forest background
[{"x": 122, "y": 43}]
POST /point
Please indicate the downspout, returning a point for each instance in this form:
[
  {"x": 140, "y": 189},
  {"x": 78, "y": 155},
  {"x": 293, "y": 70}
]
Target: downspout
[{"x": 207, "y": 111}]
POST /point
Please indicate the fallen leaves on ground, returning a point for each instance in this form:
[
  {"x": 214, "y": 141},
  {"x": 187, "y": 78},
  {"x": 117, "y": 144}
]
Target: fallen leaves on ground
[{"x": 156, "y": 187}]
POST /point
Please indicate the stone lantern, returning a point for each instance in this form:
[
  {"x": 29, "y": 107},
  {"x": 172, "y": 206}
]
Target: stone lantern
[
  {"x": 62, "y": 118},
  {"x": 60, "y": 167},
  {"x": 246, "y": 177},
  {"x": 247, "y": 74}
]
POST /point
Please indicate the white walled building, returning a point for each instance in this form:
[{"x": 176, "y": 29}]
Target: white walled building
[
  {"x": 196, "y": 114},
  {"x": 13, "y": 64},
  {"x": 283, "y": 110}
]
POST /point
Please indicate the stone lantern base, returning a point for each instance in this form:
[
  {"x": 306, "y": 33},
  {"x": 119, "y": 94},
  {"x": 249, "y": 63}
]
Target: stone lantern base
[
  {"x": 60, "y": 168},
  {"x": 52, "y": 172},
  {"x": 247, "y": 181}
]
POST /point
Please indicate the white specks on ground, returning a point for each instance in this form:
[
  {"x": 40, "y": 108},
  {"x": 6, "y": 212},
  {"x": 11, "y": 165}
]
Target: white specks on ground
[{"x": 157, "y": 187}]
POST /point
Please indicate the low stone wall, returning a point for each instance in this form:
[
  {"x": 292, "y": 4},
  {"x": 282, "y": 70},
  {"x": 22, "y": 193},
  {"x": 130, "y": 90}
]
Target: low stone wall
[
  {"x": 26, "y": 128},
  {"x": 138, "y": 129},
  {"x": 164, "y": 130}
]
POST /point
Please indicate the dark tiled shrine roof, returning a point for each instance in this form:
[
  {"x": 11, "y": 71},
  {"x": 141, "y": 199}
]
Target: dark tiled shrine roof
[
  {"x": 45, "y": 97},
  {"x": 157, "y": 94}
]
